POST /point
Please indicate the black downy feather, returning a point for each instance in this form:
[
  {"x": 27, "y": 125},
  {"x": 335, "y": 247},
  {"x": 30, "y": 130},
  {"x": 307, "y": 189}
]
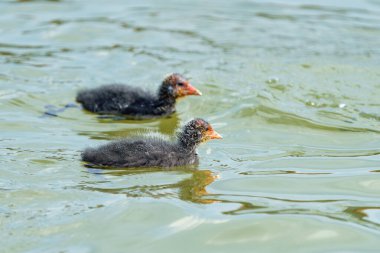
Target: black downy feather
[
  {"x": 131, "y": 101},
  {"x": 150, "y": 152}
]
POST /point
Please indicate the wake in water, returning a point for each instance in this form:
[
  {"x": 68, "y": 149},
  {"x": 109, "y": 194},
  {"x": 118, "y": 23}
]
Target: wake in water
[{"x": 53, "y": 111}]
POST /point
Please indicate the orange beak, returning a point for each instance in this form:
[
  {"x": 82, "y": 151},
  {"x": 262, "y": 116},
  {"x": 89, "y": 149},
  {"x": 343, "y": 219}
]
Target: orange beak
[
  {"x": 188, "y": 89},
  {"x": 212, "y": 134}
]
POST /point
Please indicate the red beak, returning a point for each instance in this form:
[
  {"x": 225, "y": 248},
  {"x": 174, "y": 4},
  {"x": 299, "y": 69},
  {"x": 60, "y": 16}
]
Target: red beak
[
  {"x": 214, "y": 135},
  {"x": 191, "y": 90}
]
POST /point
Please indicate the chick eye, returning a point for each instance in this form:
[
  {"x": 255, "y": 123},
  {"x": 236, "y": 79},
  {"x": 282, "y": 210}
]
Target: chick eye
[{"x": 180, "y": 84}]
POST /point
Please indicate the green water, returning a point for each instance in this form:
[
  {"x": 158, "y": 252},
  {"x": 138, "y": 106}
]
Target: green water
[{"x": 293, "y": 87}]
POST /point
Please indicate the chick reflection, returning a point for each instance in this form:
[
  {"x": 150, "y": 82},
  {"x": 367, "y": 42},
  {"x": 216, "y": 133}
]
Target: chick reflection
[
  {"x": 191, "y": 189},
  {"x": 169, "y": 125},
  {"x": 165, "y": 126},
  {"x": 194, "y": 188}
]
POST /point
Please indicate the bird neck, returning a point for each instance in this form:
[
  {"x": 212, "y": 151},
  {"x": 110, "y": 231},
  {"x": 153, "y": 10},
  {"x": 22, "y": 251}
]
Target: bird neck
[
  {"x": 165, "y": 102},
  {"x": 187, "y": 142}
]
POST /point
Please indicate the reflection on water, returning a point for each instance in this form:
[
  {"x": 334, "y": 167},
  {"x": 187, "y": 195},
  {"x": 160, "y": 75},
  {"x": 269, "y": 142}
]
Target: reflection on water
[
  {"x": 366, "y": 214},
  {"x": 194, "y": 188},
  {"x": 167, "y": 126},
  {"x": 191, "y": 188}
]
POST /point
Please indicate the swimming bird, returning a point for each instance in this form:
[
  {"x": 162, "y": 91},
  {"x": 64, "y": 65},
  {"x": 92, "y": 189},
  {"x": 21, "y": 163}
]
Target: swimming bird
[
  {"x": 135, "y": 102},
  {"x": 154, "y": 152}
]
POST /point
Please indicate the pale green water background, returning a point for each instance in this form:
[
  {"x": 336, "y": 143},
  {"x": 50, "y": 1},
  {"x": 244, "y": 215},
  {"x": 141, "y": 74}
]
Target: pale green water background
[{"x": 293, "y": 86}]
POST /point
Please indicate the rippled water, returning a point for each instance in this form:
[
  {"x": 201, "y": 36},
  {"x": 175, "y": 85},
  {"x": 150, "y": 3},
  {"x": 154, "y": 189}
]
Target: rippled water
[{"x": 293, "y": 86}]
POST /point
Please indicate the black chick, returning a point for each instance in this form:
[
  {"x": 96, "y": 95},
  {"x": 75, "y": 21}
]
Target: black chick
[
  {"x": 154, "y": 152},
  {"x": 136, "y": 102}
]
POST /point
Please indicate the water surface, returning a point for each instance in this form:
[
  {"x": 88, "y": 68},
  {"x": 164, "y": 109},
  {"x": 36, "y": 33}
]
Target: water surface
[{"x": 293, "y": 86}]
